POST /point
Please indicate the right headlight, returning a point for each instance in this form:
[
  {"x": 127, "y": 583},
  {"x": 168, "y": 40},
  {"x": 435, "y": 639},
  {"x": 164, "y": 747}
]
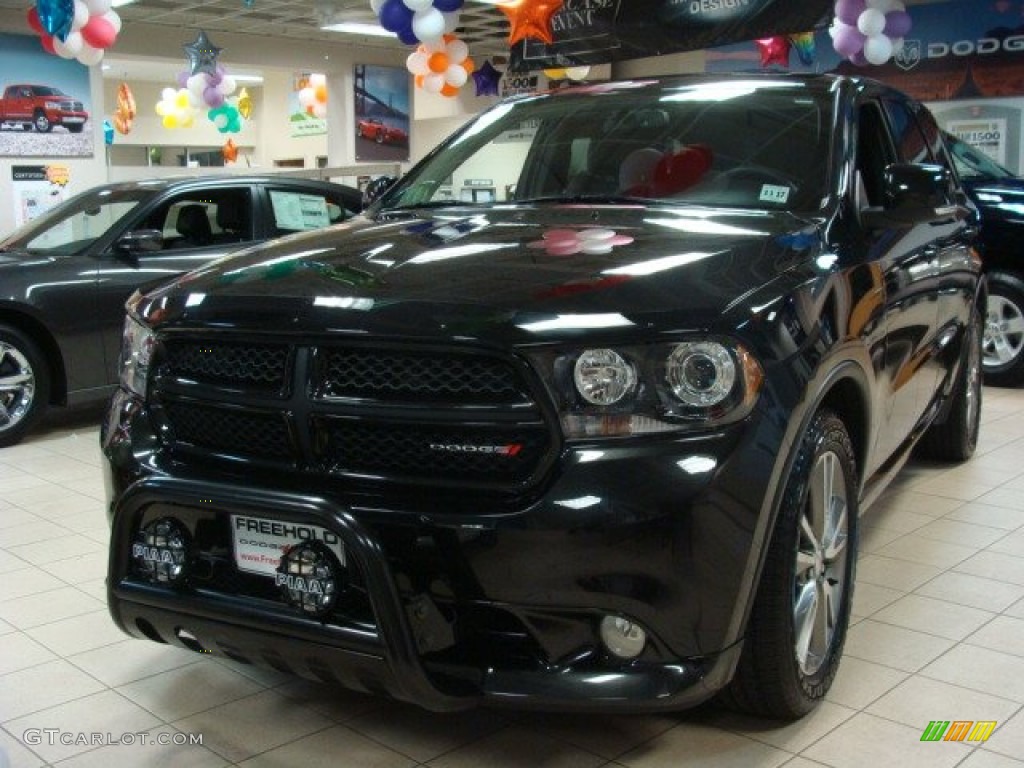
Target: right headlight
[
  {"x": 646, "y": 389},
  {"x": 136, "y": 353}
]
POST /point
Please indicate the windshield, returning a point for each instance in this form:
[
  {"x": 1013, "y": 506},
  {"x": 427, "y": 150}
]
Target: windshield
[
  {"x": 75, "y": 224},
  {"x": 760, "y": 143},
  {"x": 972, "y": 163},
  {"x": 45, "y": 90}
]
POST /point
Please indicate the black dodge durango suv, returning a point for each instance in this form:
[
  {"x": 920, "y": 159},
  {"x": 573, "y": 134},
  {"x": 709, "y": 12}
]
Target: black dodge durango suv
[{"x": 581, "y": 414}]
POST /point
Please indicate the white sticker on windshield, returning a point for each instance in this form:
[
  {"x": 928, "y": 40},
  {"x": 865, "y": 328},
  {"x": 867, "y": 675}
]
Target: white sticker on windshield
[{"x": 773, "y": 193}]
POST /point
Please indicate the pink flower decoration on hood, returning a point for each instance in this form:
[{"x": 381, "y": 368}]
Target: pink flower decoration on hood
[{"x": 593, "y": 242}]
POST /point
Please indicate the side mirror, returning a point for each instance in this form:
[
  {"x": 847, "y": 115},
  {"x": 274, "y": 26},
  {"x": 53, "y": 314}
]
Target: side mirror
[
  {"x": 140, "y": 241},
  {"x": 377, "y": 187},
  {"x": 912, "y": 194}
]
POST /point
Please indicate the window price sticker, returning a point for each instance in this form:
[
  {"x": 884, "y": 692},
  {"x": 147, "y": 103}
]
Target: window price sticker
[{"x": 773, "y": 193}]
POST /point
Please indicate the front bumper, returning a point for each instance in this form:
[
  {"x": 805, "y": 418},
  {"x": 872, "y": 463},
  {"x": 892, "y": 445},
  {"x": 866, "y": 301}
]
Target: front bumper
[{"x": 466, "y": 602}]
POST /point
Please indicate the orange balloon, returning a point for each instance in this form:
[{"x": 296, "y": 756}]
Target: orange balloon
[
  {"x": 229, "y": 151},
  {"x": 419, "y": 80},
  {"x": 438, "y": 62},
  {"x": 449, "y": 90},
  {"x": 321, "y": 93},
  {"x": 468, "y": 65},
  {"x": 531, "y": 18}
]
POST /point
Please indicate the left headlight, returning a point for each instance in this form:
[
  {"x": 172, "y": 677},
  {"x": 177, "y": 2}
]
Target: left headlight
[
  {"x": 136, "y": 353},
  {"x": 652, "y": 388}
]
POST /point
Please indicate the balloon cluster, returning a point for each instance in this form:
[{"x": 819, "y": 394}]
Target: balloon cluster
[
  {"x": 869, "y": 31},
  {"x": 176, "y": 108},
  {"x": 441, "y": 67},
  {"x": 75, "y": 29},
  {"x": 567, "y": 73},
  {"x": 313, "y": 96},
  {"x": 208, "y": 90},
  {"x": 418, "y": 21},
  {"x": 124, "y": 114},
  {"x": 226, "y": 118}
]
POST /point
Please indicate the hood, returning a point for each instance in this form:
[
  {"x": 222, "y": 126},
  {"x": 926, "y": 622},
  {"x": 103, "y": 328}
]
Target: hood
[
  {"x": 528, "y": 273},
  {"x": 998, "y": 198}
]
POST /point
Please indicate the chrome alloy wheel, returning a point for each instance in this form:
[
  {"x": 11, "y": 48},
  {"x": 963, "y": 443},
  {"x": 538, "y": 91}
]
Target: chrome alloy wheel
[
  {"x": 1004, "y": 332},
  {"x": 17, "y": 386},
  {"x": 821, "y": 573}
]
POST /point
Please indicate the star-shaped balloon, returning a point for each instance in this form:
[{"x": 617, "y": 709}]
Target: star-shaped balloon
[
  {"x": 531, "y": 18},
  {"x": 774, "y": 50},
  {"x": 486, "y": 79},
  {"x": 244, "y": 103},
  {"x": 202, "y": 54}
]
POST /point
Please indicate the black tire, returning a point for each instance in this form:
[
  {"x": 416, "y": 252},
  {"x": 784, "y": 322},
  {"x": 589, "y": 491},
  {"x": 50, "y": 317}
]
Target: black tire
[
  {"x": 1003, "y": 347},
  {"x": 956, "y": 437},
  {"x": 75, "y": 128},
  {"x": 380, "y": 136},
  {"x": 798, "y": 623},
  {"x": 24, "y": 384},
  {"x": 42, "y": 123}
]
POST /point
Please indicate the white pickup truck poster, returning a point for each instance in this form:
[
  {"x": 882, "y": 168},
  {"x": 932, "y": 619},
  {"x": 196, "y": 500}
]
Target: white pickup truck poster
[{"x": 45, "y": 105}]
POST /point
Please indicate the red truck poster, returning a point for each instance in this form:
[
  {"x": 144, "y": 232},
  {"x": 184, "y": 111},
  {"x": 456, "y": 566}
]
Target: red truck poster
[{"x": 45, "y": 108}]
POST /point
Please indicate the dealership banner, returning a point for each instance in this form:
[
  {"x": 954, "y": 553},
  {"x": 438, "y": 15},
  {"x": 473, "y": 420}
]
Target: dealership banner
[
  {"x": 598, "y": 31},
  {"x": 957, "y": 50}
]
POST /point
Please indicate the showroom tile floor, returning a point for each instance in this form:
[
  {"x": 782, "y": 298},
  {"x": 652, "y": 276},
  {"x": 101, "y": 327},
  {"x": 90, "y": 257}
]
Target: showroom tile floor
[{"x": 938, "y": 634}]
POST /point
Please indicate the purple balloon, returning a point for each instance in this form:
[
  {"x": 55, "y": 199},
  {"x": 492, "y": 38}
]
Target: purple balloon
[
  {"x": 897, "y": 24},
  {"x": 213, "y": 97},
  {"x": 183, "y": 79},
  {"x": 848, "y": 40},
  {"x": 859, "y": 59},
  {"x": 447, "y": 6},
  {"x": 848, "y": 11},
  {"x": 395, "y": 16}
]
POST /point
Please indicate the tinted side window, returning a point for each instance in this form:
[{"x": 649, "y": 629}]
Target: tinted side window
[
  {"x": 911, "y": 144},
  {"x": 202, "y": 218},
  {"x": 297, "y": 210}
]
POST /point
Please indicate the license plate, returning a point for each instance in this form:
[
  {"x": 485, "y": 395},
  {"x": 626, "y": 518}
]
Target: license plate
[{"x": 259, "y": 542}]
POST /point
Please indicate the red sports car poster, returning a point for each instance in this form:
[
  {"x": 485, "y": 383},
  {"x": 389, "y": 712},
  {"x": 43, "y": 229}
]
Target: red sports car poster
[{"x": 381, "y": 113}]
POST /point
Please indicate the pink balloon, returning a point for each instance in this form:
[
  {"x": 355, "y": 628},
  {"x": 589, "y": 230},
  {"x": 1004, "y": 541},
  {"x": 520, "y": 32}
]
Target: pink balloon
[
  {"x": 897, "y": 24},
  {"x": 99, "y": 33},
  {"x": 213, "y": 97},
  {"x": 848, "y": 40},
  {"x": 848, "y": 11}
]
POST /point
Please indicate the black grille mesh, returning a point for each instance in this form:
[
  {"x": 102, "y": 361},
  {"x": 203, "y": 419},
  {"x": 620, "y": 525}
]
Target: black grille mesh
[
  {"x": 431, "y": 451},
  {"x": 263, "y": 366},
  {"x": 262, "y": 435},
  {"x": 399, "y": 375}
]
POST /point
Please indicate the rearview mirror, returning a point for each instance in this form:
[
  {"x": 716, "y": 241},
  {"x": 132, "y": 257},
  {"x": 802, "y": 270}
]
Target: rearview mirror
[{"x": 141, "y": 241}]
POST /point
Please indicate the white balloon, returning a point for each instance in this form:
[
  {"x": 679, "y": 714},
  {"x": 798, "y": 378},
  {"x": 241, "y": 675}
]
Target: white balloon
[
  {"x": 197, "y": 83},
  {"x": 317, "y": 79},
  {"x": 307, "y": 97},
  {"x": 878, "y": 49},
  {"x": 451, "y": 21},
  {"x": 320, "y": 110},
  {"x": 456, "y": 75},
  {"x": 833, "y": 28},
  {"x": 90, "y": 56},
  {"x": 73, "y": 44},
  {"x": 457, "y": 50},
  {"x": 428, "y": 25},
  {"x": 113, "y": 19},
  {"x": 433, "y": 83},
  {"x": 227, "y": 85},
  {"x": 221, "y": 121},
  {"x": 98, "y": 7},
  {"x": 577, "y": 73},
  {"x": 81, "y": 16},
  {"x": 871, "y": 22},
  {"x": 418, "y": 5},
  {"x": 168, "y": 94},
  {"x": 418, "y": 63},
  {"x": 435, "y": 45},
  {"x": 61, "y": 49}
]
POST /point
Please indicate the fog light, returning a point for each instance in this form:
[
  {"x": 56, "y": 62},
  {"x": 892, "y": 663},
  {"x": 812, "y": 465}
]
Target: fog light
[
  {"x": 622, "y": 637},
  {"x": 310, "y": 578},
  {"x": 160, "y": 551}
]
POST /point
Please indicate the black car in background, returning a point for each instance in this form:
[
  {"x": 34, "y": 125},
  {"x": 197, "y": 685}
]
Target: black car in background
[
  {"x": 598, "y": 438},
  {"x": 64, "y": 276},
  {"x": 999, "y": 196}
]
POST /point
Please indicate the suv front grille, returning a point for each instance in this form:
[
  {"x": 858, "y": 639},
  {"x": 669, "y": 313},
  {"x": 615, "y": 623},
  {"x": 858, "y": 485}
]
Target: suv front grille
[{"x": 415, "y": 416}]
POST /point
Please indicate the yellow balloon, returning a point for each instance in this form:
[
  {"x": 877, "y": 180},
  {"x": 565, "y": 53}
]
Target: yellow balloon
[
  {"x": 181, "y": 100},
  {"x": 170, "y": 121},
  {"x": 161, "y": 108},
  {"x": 186, "y": 121},
  {"x": 555, "y": 74},
  {"x": 244, "y": 104}
]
